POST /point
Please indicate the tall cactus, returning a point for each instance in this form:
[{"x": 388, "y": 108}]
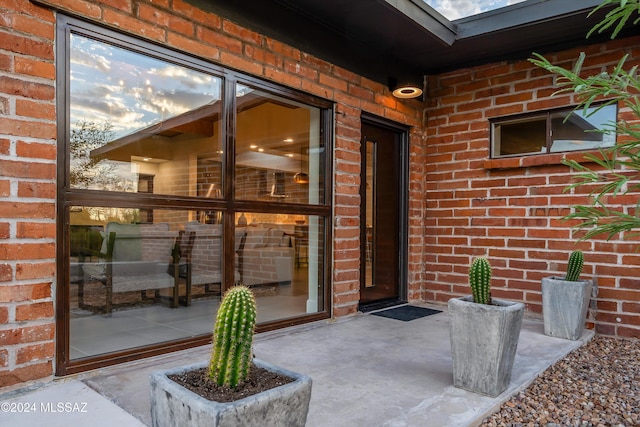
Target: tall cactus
[
  {"x": 233, "y": 337},
  {"x": 480, "y": 280},
  {"x": 574, "y": 268}
]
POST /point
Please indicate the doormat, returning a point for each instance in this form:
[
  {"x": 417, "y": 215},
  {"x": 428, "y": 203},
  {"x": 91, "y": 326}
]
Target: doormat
[
  {"x": 380, "y": 305},
  {"x": 406, "y": 313}
]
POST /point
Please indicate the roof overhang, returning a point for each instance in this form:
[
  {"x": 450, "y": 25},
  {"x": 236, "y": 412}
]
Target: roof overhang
[{"x": 407, "y": 39}]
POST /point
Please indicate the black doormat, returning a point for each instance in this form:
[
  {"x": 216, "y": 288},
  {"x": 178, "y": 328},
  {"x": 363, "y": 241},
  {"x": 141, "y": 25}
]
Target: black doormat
[
  {"x": 381, "y": 304},
  {"x": 406, "y": 313}
]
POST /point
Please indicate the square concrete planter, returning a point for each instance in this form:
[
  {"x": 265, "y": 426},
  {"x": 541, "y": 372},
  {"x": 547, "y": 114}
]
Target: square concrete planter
[
  {"x": 484, "y": 339},
  {"x": 173, "y": 405},
  {"x": 564, "y": 306}
]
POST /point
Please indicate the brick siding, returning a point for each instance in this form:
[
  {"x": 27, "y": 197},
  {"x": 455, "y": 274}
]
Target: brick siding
[
  {"x": 27, "y": 192},
  {"x": 510, "y": 209}
]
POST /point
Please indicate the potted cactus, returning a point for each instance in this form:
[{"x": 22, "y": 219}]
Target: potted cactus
[
  {"x": 229, "y": 367},
  {"x": 565, "y": 300},
  {"x": 484, "y": 334}
]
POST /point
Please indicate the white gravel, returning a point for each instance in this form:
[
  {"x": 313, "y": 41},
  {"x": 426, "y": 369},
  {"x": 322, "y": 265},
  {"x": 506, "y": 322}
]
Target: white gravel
[{"x": 596, "y": 385}]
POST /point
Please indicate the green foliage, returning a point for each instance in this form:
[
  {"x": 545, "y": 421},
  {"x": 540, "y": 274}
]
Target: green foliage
[
  {"x": 614, "y": 171},
  {"x": 233, "y": 337},
  {"x": 480, "y": 280},
  {"x": 87, "y": 171},
  {"x": 574, "y": 267},
  {"x": 617, "y": 16}
]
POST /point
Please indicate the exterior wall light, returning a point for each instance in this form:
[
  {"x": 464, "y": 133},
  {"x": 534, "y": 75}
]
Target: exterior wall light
[{"x": 406, "y": 91}]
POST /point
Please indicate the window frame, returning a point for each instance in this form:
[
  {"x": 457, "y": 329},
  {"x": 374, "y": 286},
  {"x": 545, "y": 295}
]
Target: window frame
[
  {"x": 545, "y": 115},
  {"x": 68, "y": 197}
]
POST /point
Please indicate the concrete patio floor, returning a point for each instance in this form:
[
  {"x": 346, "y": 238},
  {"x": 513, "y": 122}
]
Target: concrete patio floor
[{"x": 367, "y": 371}]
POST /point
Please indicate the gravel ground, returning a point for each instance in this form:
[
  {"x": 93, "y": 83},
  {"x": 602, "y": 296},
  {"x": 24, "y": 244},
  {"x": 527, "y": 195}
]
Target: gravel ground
[{"x": 594, "y": 386}]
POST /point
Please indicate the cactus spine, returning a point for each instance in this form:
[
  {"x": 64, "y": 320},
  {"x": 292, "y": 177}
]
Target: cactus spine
[
  {"x": 233, "y": 337},
  {"x": 480, "y": 280},
  {"x": 574, "y": 268}
]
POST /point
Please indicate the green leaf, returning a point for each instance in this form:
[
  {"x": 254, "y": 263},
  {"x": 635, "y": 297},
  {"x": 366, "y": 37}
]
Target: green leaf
[{"x": 613, "y": 171}]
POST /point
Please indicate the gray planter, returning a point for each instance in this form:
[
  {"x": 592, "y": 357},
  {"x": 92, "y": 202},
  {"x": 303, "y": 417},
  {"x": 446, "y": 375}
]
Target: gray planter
[
  {"x": 484, "y": 339},
  {"x": 173, "y": 405},
  {"x": 564, "y": 306}
]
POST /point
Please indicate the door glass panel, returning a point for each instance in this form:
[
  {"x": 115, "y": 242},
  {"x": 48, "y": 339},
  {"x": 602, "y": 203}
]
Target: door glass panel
[
  {"x": 137, "y": 120},
  {"x": 279, "y": 151},
  {"x": 280, "y": 257},
  {"x": 370, "y": 186}
]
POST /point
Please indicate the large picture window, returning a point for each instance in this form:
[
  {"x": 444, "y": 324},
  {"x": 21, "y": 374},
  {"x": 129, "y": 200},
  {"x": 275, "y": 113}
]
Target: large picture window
[
  {"x": 157, "y": 220},
  {"x": 553, "y": 131}
]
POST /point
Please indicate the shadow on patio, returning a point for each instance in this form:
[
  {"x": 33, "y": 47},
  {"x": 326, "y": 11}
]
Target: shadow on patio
[{"x": 367, "y": 371}]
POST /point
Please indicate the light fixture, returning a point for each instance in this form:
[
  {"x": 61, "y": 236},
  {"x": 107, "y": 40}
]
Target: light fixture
[
  {"x": 301, "y": 177},
  {"x": 406, "y": 91}
]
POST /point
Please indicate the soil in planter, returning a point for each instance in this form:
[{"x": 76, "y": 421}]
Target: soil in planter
[{"x": 259, "y": 380}]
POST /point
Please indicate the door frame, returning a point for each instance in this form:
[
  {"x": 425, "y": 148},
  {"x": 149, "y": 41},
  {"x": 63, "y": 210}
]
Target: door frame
[{"x": 402, "y": 132}]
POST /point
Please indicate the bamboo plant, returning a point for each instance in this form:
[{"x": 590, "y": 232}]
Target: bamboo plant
[{"x": 616, "y": 170}]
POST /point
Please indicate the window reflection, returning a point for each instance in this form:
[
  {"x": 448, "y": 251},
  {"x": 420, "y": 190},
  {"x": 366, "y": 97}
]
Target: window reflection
[
  {"x": 127, "y": 277},
  {"x": 135, "y": 283},
  {"x": 280, "y": 259},
  {"x": 279, "y": 153},
  {"x": 572, "y": 131},
  {"x": 139, "y": 124}
]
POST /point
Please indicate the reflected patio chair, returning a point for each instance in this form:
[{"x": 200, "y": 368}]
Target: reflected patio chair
[
  {"x": 301, "y": 243},
  {"x": 135, "y": 257},
  {"x": 182, "y": 260},
  {"x": 201, "y": 257},
  {"x": 85, "y": 240}
]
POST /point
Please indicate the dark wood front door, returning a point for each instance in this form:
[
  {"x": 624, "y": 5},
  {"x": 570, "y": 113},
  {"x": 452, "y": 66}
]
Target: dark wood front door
[{"x": 381, "y": 218}]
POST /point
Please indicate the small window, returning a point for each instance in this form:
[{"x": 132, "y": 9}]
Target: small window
[{"x": 554, "y": 131}]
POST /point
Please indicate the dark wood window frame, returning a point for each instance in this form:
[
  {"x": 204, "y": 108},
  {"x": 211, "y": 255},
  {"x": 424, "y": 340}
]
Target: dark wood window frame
[
  {"x": 536, "y": 116},
  {"x": 68, "y": 197}
]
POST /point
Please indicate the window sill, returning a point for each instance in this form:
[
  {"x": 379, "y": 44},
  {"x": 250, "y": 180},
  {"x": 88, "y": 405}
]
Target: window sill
[{"x": 535, "y": 160}]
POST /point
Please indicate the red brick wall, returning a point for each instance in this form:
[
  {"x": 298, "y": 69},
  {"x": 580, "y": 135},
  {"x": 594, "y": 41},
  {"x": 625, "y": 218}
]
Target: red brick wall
[
  {"x": 28, "y": 150},
  {"x": 510, "y": 209},
  {"x": 27, "y": 192}
]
